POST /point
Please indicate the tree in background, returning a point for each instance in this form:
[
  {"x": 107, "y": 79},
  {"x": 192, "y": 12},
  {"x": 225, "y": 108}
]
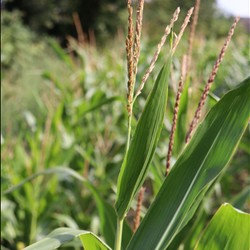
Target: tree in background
[
  {"x": 209, "y": 16},
  {"x": 55, "y": 17},
  {"x": 104, "y": 17}
]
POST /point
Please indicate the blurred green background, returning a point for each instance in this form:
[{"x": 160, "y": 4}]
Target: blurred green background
[{"x": 63, "y": 98}]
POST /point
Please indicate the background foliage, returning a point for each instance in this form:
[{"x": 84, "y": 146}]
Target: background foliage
[
  {"x": 107, "y": 17},
  {"x": 66, "y": 107}
]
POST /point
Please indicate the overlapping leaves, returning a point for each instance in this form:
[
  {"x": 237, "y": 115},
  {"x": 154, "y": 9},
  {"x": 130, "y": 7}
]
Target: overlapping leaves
[
  {"x": 201, "y": 162},
  {"x": 143, "y": 144}
]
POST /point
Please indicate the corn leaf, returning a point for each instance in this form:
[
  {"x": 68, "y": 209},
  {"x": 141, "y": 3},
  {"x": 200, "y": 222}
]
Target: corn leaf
[
  {"x": 106, "y": 212},
  {"x": 108, "y": 218},
  {"x": 229, "y": 229},
  {"x": 143, "y": 144},
  {"x": 87, "y": 107},
  {"x": 63, "y": 235},
  {"x": 195, "y": 171}
]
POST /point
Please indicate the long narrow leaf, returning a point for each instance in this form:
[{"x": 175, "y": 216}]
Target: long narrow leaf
[
  {"x": 106, "y": 212},
  {"x": 201, "y": 162},
  {"x": 50, "y": 171},
  {"x": 108, "y": 218},
  {"x": 62, "y": 235},
  {"x": 89, "y": 107},
  {"x": 229, "y": 229},
  {"x": 143, "y": 144}
]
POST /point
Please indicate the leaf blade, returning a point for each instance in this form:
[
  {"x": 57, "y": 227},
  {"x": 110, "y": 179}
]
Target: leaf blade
[
  {"x": 62, "y": 235},
  {"x": 224, "y": 231},
  {"x": 201, "y": 162},
  {"x": 143, "y": 144}
]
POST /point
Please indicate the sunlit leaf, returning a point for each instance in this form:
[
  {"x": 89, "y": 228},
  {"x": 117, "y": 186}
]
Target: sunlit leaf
[
  {"x": 201, "y": 162},
  {"x": 143, "y": 144},
  {"x": 63, "y": 235},
  {"x": 106, "y": 212},
  {"x": 229, "y": 229}
]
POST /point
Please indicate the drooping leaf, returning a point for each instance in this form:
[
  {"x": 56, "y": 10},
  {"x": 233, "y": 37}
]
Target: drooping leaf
[
  {"x": 229, "y": 229},
  {"x": 143, "y": 144},
  {"x": 89, "y": 242},
  {"x": 106, "y": 212},
  {"x": 86, "y": 107},
  {"x": 66, "y": 220},
  {"x": 62, "y": 235},
  {"x": 201, "y": 162},
  {"x": 54, "y": 170},
  {"x": 108, "y": 221}
]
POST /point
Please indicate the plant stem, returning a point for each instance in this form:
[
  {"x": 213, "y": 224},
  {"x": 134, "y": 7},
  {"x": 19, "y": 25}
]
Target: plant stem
[{"x": 118, "y": 239}]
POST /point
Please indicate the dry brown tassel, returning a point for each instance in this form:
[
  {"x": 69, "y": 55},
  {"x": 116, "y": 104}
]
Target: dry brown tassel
[
  {"x": 210, "y": 81},
  {"x": 192, "y": 33},
  {"x": 159, "y": 46},
  {"x": 183, "y": 27},
  {"x": 175, "y": 116},
  {"x": 130, "y": 64},
  {"x": 138, "y": 209},
  {"x": 138, "y": 28}
]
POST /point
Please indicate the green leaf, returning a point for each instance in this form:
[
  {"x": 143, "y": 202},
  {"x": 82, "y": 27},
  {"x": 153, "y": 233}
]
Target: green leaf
[
  {"x": 143, "y": 144},
  {"x": 106, "y": 212},
  {"x": 54, "y": 170},
  {"x": 108, "y": 219},
  {"x": 201, "y": 162},
  {"x": 87, "y": 107},
  {"x": 189, "y": 234},
  {"x": 229, "y": 229},
  {"x": 62, "y": 235},
  {"x": 90, "y": 242},
  {"x": 157, "y": 174},
  {"x": 61, "y": 53}
]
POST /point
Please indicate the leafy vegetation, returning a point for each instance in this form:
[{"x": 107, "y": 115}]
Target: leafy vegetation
[
  {"x": 63, "y": 145},
  {"x": 107, "y": 17},
  {"x": 221, "y": 225}
]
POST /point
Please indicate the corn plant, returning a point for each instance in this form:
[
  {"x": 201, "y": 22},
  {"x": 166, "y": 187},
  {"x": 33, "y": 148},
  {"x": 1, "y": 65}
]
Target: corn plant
[{"x": 202, "y": 159}]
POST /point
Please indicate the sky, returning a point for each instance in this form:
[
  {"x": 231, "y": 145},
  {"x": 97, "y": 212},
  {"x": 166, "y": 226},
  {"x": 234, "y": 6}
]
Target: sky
[{"x": 235, "y": 7}]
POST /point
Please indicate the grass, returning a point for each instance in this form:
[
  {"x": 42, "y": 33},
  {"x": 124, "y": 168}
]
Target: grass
[{"x": 81, "y": 124}]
